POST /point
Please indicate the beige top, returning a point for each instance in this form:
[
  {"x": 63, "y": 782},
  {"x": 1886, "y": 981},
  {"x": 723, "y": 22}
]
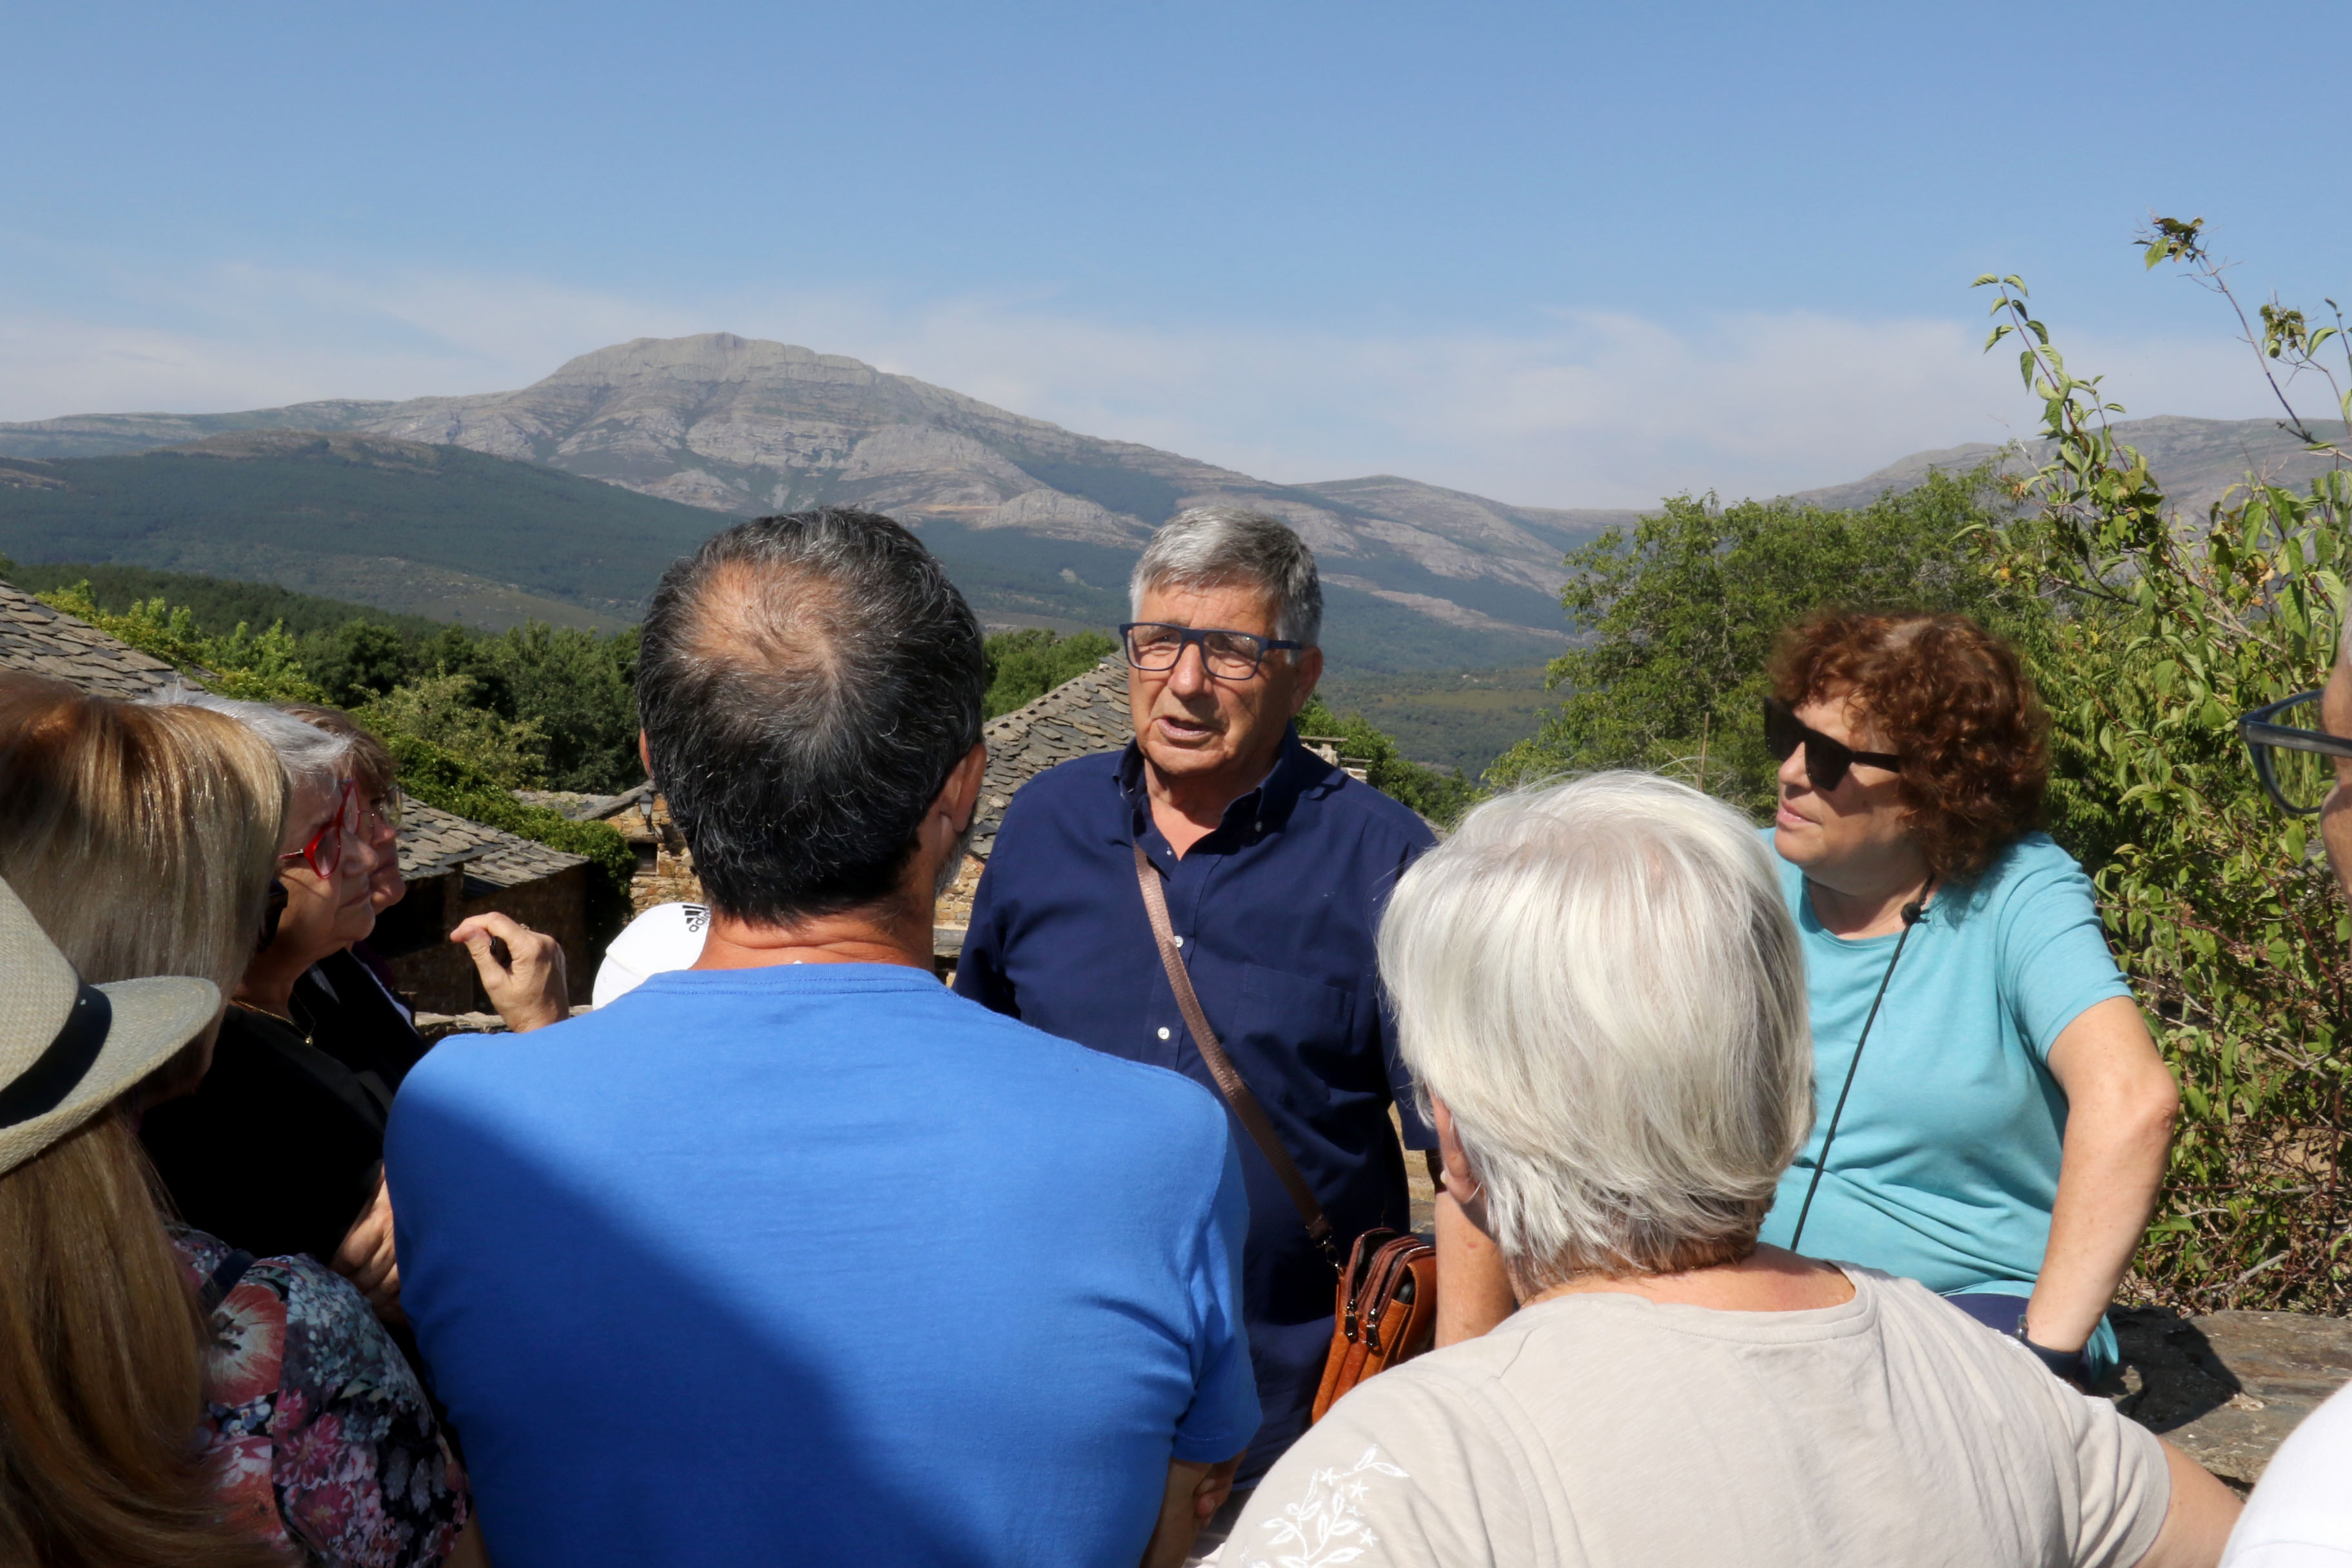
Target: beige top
[{"x": 1607, "y": 1430}]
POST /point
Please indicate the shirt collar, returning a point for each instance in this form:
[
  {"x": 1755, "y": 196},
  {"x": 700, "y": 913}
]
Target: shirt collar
[{"x": 1262, "y": 809}]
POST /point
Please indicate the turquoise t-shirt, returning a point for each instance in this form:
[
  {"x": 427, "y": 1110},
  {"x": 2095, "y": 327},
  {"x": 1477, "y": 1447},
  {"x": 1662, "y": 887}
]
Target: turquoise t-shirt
[{"x": 1946, "y": 1163}]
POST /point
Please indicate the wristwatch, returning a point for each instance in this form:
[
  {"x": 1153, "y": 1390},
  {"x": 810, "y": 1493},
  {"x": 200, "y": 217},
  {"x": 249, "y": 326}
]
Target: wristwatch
[{"x": 2067, "y": 1366}]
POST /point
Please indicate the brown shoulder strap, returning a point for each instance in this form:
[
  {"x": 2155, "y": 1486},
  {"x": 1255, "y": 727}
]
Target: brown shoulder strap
[{"x": 1245, "y": 1108}]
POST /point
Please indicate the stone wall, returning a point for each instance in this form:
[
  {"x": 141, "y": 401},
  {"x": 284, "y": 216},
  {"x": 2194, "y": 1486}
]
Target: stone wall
[{"x": 439, "y": 974}]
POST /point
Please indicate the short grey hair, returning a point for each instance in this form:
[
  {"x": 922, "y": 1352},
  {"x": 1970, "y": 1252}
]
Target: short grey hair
[
  {"x": 1602, "y": 980},
  {"x": 314, "y": 759},
  {"x": 1213, "y": 546}
]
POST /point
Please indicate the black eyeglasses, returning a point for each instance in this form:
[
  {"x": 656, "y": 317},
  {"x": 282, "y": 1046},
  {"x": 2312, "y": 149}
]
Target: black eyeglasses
[
  {"x": 2295, "y": 760},
  {"x": 1826, "y": 760},
  {"x": 1227, "y": 655}
]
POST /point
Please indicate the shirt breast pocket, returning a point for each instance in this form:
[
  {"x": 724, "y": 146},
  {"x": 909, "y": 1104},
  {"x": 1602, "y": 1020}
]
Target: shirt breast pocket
[{"x": 1295, "y": 1034}]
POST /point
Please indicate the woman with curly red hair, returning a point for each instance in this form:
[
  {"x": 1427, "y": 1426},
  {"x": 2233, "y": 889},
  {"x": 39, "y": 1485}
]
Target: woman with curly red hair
[{"x": 1993, "y": 1115}]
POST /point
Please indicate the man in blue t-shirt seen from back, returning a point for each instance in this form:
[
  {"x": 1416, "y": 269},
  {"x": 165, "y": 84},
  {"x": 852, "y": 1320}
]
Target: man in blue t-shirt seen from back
[{"x": 795, "y": 1255}]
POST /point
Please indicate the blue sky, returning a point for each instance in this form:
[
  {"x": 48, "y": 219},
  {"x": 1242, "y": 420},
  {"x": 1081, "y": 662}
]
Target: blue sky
[{"x": 1565, "y": 254}]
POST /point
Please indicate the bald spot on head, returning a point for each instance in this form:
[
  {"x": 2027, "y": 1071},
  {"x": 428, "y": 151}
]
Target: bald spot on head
[{"x": 768, "y": 620}]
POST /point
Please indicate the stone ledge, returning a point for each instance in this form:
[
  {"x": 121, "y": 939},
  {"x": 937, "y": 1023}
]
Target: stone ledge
[{"x": 2228, "y": 1387}]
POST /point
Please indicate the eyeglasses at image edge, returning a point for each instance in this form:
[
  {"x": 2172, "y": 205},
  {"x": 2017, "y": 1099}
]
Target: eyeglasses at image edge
[
  {"x": 2260, "y": 736},
  {"x": 1249, "y": 642}
]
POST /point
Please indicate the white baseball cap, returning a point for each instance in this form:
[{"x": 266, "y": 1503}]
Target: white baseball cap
[{"x": 666, "y": 937}]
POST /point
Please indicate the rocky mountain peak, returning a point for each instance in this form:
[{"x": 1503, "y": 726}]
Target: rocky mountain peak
[{"x": 717, "y": 358}]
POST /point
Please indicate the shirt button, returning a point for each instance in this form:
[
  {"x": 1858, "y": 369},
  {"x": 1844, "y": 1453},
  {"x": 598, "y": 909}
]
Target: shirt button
[
  {"x": 1180, "y": 942},
  {"x": 1163, "y": 1032}
]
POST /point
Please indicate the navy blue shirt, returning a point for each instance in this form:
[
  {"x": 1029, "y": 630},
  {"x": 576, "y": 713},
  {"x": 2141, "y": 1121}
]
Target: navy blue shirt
[{"x": 1277, "y": 912}]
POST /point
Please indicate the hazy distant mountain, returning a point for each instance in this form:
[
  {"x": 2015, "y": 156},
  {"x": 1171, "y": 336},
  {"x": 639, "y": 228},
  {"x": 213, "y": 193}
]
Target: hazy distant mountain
[
  {"x": 744, "y": 426},
  {"x": 434, "y": 530},
  {"x": 1039, "y": 524},
  {"x": 459, "y": 534},
  {"x": 2197, "y": 461}
]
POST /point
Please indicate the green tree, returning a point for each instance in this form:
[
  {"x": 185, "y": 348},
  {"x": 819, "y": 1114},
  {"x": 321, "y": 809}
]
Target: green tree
[
  {"x": 1023, "y": 666},
  {"x": 577, "y": 688},
  {"x": 260, "y": 667},
  {"x": 1679, "y": 615},
  {"x": 440, "y": 710},
  {"x": 1440, "y": 794},
  {"x": 358, "y": 661},
  {"x": 2228, "y": 922}
]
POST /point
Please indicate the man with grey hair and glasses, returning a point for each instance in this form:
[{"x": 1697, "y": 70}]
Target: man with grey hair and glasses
[{"x": 1267, "y": 866}]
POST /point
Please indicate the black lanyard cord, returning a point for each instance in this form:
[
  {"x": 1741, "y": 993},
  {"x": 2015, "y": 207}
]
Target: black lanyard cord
[{"x": 1913, "y": 913}]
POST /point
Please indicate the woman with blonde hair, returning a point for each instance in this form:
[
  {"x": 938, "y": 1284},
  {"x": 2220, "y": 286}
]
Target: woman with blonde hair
[
  {"x": 100, "y": 1377},
  {"x": 142, "y": 840}
]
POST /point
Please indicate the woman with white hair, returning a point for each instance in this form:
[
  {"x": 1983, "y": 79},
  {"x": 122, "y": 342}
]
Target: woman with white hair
[
  {"x": 1601, "y": 992},
  {"x": 281, "y": 1149}
]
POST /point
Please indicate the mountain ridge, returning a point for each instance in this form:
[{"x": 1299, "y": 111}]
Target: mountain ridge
[
  {"x": 1042, "y": 516},
  {"x": 742, "y": 427}
]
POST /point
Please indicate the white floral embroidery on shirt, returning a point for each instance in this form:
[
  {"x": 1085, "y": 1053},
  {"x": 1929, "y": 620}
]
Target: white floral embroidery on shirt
[{"x": 1326, "y": 1525}]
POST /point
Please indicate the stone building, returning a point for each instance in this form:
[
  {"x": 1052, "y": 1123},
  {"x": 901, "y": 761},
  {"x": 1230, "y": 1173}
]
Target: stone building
[
  {"x": 454, "y": 867},
  {"x": 1085, "y": 713},
  {"x": 665, "y": 872}
]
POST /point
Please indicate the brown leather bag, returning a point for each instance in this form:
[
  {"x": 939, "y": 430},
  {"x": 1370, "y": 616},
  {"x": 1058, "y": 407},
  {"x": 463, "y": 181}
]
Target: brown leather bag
[{"x": 1386, "y": 1309}]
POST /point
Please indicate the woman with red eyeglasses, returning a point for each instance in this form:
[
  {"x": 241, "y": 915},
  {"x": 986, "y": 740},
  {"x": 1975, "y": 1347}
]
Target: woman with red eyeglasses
[{"x": 279, "y": 1150}]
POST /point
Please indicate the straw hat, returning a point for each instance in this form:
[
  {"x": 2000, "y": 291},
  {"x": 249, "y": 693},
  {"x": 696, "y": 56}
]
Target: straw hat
[{"x": 68, "y": 1049}]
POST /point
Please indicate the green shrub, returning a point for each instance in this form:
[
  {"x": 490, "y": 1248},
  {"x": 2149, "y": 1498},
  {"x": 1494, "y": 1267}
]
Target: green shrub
[
  {"x": 439, "y": 778},
  {"x": 2228, "y": 923},
  {"x": 258, "y": 669},
  {"x": 1023, "y": 666},
  {"x": 1437, "y": 793},
  {"x": 439, "y": 711}
]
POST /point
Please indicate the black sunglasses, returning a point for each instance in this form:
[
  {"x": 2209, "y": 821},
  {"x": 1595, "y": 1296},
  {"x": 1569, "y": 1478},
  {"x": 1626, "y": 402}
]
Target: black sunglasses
[
  {"x": 1826, "y": 760},
  {"x": 2296, "y": 762}
]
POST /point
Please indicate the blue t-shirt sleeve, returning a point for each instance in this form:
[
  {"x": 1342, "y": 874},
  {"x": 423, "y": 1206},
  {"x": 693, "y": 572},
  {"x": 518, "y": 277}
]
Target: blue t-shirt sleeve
[
  {"x": 2055, "y": 960},
  {"x": 1224, "y": 1410}
]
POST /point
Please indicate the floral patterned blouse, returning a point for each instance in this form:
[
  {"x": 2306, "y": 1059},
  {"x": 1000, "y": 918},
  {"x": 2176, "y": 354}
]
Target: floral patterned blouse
[{"x": 322, "y": 1435}]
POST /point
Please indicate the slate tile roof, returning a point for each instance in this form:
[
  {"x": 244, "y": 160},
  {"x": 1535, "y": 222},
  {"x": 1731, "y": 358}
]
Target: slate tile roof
[
  {"x": 582, "y": 807},
  {"x": 50, "y": 642},
  {"x": 1085, "y": 713},
  {"x": 432, "y": 841}
]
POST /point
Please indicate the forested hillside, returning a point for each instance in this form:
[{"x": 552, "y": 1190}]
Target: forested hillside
[{"x": 449, "y": 534}]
